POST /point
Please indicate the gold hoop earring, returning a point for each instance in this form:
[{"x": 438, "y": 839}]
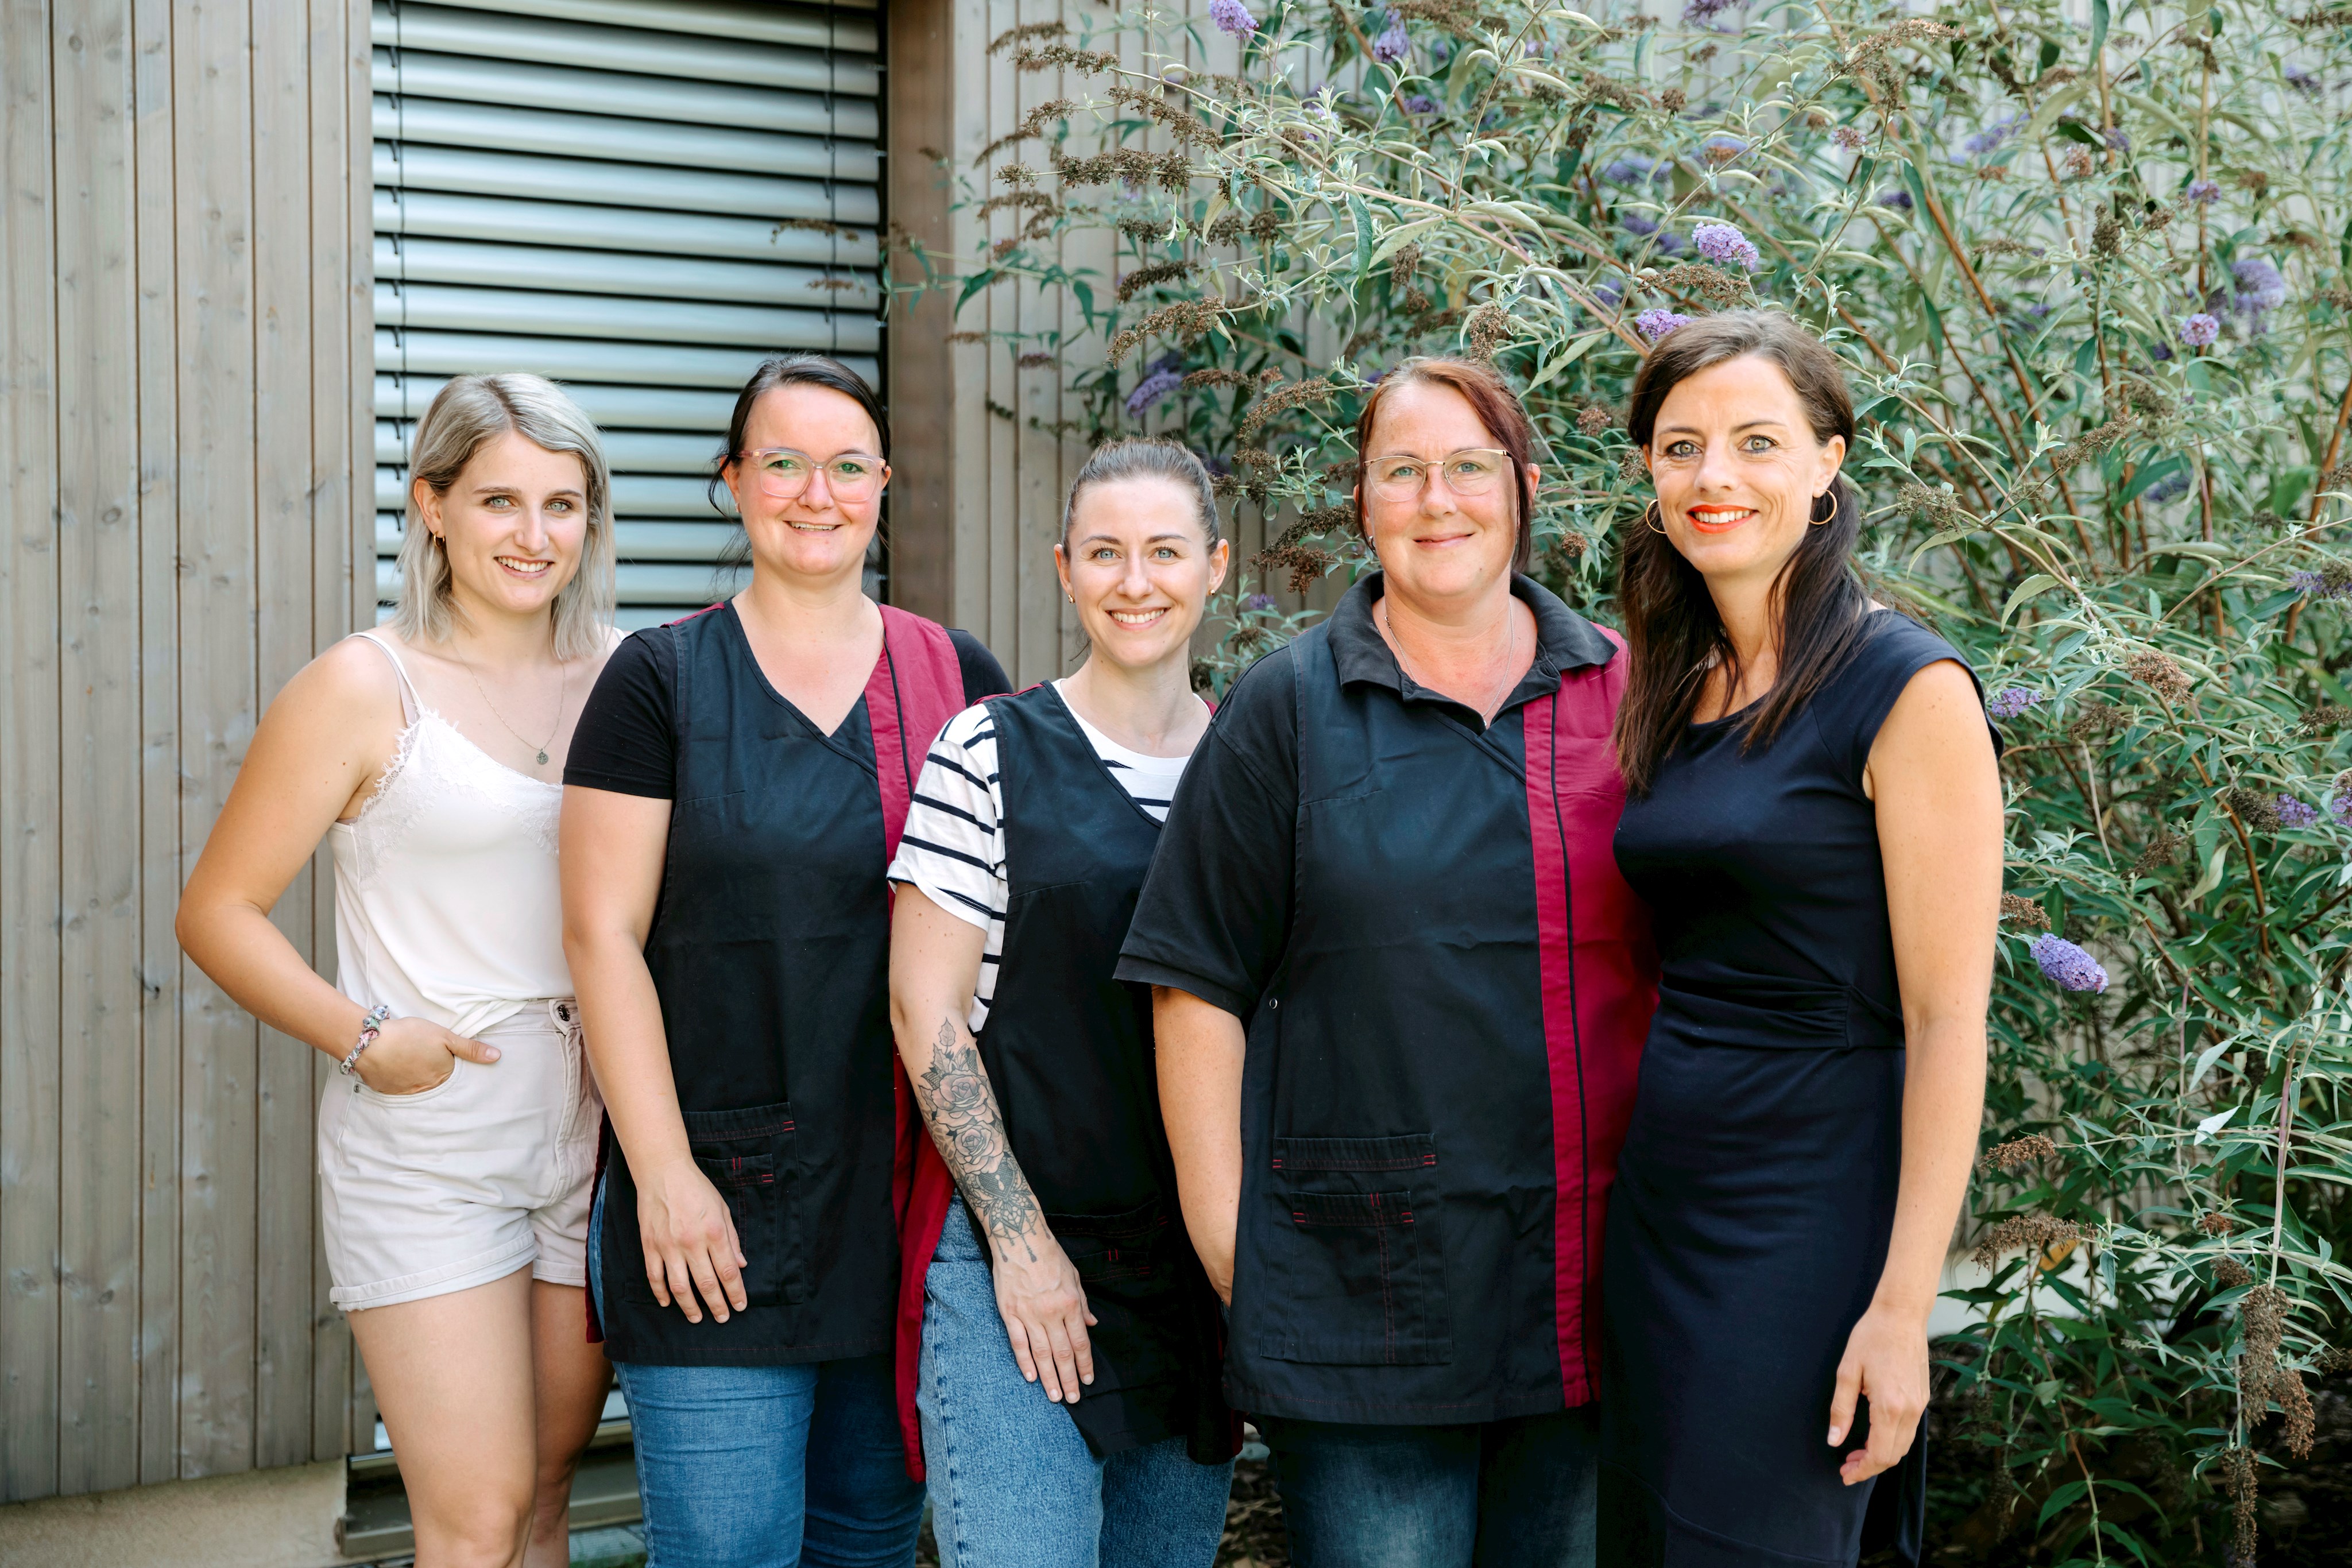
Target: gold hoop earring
[
  {"x": 1829, "y": 495},
  {"x": 1654, "y": 510}
]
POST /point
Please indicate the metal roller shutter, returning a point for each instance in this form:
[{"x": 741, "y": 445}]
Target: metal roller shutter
[{"x": 639, "y": 198}]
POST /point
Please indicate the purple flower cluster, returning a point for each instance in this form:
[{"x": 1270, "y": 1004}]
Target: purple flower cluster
[
  {"x": 1258, "y": 602},
  {"x": 2296, "y": 815},
  {"x": 1233, "y": 17},
  {"x": 1725, "y": 246},
  {"x": 2316, "y": 584},
  {"x": 2010, "y": 701},
  {"x": 1989, "y": 138},
  {"x": 1699, "y": 13},
  {"x": 2260, "y": 284},
  {"x": 1392, "y": 45},
  {"x": 2200, "y": 331},
  {"x": 1655, "y": 324},
  {"x": 2339, "y": 805},
  {"x": 1897, "y": 198},
  {"x": 1849, "y": 137},
  {"x": 2118, "y": 139},
  {"x": 1161, "y": 380},
  {"x": 1419, "y": 104},
  {"x": 2303, "y": 81},
  {"x": 1631, "y": 170},
  {"x": 2171, "y": 487},
  {"x": 2068, "y": 964},
  {"x": 1639, "y": 223},
  {"x": 2204, "y": 193}
]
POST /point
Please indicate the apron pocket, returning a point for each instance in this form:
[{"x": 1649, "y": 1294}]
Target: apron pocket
[
  {"x": 1356, "y": 1279},
  {"x": 748, "y": 1156},
  {"x": 1131, "y": 1265}
]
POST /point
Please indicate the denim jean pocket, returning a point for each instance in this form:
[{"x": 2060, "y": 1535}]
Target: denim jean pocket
[
  {"x": 1355, "y": 1268},
  {"x": 748, "y": 1155}
]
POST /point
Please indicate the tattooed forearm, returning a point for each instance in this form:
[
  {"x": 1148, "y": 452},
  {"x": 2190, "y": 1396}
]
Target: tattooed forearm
[{"x": 960, "y": 1107}]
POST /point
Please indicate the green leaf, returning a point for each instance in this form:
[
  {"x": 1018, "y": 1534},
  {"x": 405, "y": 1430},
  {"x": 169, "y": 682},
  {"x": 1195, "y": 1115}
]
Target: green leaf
[
  {"x": 1566, "y": 356},
  {"x": 2098, "y": 27},
  {"x": 2040, "y": 582},
  {"x": 2058, "y": 1501}
]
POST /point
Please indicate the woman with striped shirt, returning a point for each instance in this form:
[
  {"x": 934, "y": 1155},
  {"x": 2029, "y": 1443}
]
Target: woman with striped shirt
[{"x": 1063, "y": 1334}]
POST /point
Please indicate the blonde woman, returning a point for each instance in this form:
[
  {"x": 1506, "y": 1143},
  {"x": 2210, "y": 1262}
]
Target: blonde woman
[{"x": 456, "y": 1143}]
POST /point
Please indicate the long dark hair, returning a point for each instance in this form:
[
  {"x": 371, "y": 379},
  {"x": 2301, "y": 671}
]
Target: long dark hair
[
  {"x": 1672, "y": 630},
  {"x": 1498, "y": 409}
]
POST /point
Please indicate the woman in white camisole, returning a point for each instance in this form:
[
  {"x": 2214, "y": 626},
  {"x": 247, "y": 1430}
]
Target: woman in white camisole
[{"x": 457, "y": 1148}]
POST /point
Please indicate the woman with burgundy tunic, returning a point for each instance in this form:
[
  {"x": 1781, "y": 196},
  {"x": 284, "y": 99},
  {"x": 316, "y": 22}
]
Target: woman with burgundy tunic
[
  {"x": 734, "y": 795},
  {"x": 1400, "y": 995},
  {"x": 1068, "y": 1355},
  {"x": 1817, "y": 822}
]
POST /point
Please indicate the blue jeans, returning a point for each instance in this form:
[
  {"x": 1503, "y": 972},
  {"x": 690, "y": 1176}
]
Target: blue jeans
[
  {"x": 768, "y": 1467},
  {"x": 1499, "y": 1494},
  {"x": 1012, "y": 1483}
]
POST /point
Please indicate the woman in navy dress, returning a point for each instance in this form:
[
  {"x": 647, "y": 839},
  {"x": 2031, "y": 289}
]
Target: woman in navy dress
[{"x": 1815, "y": 820}]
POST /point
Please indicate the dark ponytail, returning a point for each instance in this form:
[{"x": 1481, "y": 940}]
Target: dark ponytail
[{"x": 1673, "y": 634}]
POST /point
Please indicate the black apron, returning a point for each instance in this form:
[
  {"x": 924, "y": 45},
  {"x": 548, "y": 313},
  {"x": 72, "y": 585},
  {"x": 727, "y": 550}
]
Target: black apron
[
  {"x": 769, "y": 948},
  {"x": 1068, "y": 1051}
]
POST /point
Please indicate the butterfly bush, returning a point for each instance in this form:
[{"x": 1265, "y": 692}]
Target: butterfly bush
[{"x": 2099, "y": 356}]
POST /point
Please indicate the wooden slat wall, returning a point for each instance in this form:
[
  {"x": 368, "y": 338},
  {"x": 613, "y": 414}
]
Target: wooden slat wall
[
  {"x": 183, "y": 387},
  {"x": 977, "y": 500}
]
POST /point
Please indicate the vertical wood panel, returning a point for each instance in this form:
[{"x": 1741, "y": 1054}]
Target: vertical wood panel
[
  {"x": 158, "y": 631},
  {"x": 920, "y": 114},
  {"x": 286, "y": 591},
  {"x": 1003, "y": 319},
  {"x": 213, "y": 109},
  {"x": 973, "y": 500},
  {"x": 1036, "y": 398},
  {"x": 98, "y": 1286},
  {"x": 28, "y": 762}
]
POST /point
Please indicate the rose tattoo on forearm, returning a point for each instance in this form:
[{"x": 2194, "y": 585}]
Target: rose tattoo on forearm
[{"x": 960, "y": 1107}]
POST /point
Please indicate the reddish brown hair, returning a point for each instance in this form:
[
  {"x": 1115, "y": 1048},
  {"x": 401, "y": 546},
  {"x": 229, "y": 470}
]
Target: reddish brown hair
[{"x": 1498, "y": 409}]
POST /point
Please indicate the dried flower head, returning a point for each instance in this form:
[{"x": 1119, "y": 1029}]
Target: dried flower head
[
  {"x": 1490, "y": 327},
  {"x": 1280, "y": 399},
  {"x": 1937, "y": 504},
  {"x": 2072, "y": 968},
  {"x": 1213, "y": 377},
  {"x": 1142, "y": 277},
  {"x": 2079, "y": 163},
  {"x": 2237, "y": 1480},
  {"x": 1306, "y": 563},
  {"x": 1712, "y": 284},
  {"x": 1593, "y": 420},
  {"x": 2297, "y": 1422},
  {"x": 2107, "y": 236},
  {"x": 2160, "y": 672},
  {"x": 2017, "y": 1154},
  {"x": 1674, "y": 100},
  {"x": 2256, "y": 809},
  {"x": 2325, "y": 716},
  {"x": 2095, "y": 720},
  {"x": 2220, "y": 1224},
  {"x": 2018, "y": 910},
  {"x": 2021, "y": 1232},
  {"x": 1186, "y": 320},
  {"x": 2230, "y": 1273},
  {"x": 2161, "y": 851},
  {"x": 1038, "y": 359},
  {"x": 1849, "y": 137}
]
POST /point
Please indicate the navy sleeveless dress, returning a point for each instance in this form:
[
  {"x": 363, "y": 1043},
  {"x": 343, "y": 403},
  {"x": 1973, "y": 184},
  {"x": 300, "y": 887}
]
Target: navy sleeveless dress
[{"x": 1756, "y": 1195}]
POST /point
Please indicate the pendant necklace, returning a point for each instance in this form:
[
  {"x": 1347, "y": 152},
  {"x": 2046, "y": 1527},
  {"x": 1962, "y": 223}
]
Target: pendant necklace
[{"x": 561, "y": 692}]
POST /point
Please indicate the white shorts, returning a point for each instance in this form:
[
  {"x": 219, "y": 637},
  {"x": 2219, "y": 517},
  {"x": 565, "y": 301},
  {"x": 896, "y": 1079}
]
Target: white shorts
[{"x": 487, "y": 1172}]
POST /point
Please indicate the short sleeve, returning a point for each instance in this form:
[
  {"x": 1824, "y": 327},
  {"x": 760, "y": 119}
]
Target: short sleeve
[
  {"x": 626, "y": 740},
  {"x": 983, "y": 676},
  {"x": 1853, "y": 708},
  {"x": 1214, "y": 914},
  {"x": 953, "y": 848}
]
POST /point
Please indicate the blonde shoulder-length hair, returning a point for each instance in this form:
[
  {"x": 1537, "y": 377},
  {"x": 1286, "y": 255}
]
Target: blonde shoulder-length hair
[{"x": 463, "y": 416}]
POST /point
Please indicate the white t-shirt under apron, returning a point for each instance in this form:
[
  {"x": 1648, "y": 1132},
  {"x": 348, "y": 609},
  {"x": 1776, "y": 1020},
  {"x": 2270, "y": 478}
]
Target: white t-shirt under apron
[{"x": 953, "y": 848}]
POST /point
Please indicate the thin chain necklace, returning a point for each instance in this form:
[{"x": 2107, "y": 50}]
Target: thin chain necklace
[
  {"x": 1510, "y": 645},
  {"x": 563, "y": 692}
]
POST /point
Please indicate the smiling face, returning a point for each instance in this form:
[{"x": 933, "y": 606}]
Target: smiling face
[
  {"x": 1438, "y": 545},
  {"x": 1737, "y": 469},
  {"x": 513, "y": 523},
  {"x": 820, "y": 534},
  {"x": 1138, "y": 564}
]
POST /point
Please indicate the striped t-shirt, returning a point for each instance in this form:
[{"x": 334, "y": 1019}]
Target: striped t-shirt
[{"x": 953, "y": 848}]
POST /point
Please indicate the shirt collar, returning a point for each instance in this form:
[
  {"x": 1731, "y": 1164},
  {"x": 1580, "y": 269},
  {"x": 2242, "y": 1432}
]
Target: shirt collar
[{"x": 1565, "y": 642}]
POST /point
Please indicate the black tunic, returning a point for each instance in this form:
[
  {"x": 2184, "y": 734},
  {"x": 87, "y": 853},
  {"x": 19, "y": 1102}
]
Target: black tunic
[
  {"x": 1445, "y": 984},
  {"x": 1756, "y": 1194},
  {"x": 1068, "y": 1051},
  {"x": 770, "y": 951}
]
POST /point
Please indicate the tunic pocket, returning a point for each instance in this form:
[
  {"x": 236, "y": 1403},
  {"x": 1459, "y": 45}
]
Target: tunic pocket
[
  {"x": 748, "y": 1155},
  {"x": 1356, "y": 1273}
]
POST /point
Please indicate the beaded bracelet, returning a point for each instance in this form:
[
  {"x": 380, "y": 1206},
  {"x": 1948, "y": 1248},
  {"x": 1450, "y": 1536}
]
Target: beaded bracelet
[{"x": 369, "y": 1027}]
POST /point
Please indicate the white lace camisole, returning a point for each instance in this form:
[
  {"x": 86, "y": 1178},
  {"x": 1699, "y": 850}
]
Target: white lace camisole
[{"x": 446, "y": 899}]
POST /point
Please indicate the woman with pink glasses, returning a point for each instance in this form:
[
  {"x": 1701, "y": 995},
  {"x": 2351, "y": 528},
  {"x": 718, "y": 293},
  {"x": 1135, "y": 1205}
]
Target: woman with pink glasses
[{"x": 735, "y": 794}]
